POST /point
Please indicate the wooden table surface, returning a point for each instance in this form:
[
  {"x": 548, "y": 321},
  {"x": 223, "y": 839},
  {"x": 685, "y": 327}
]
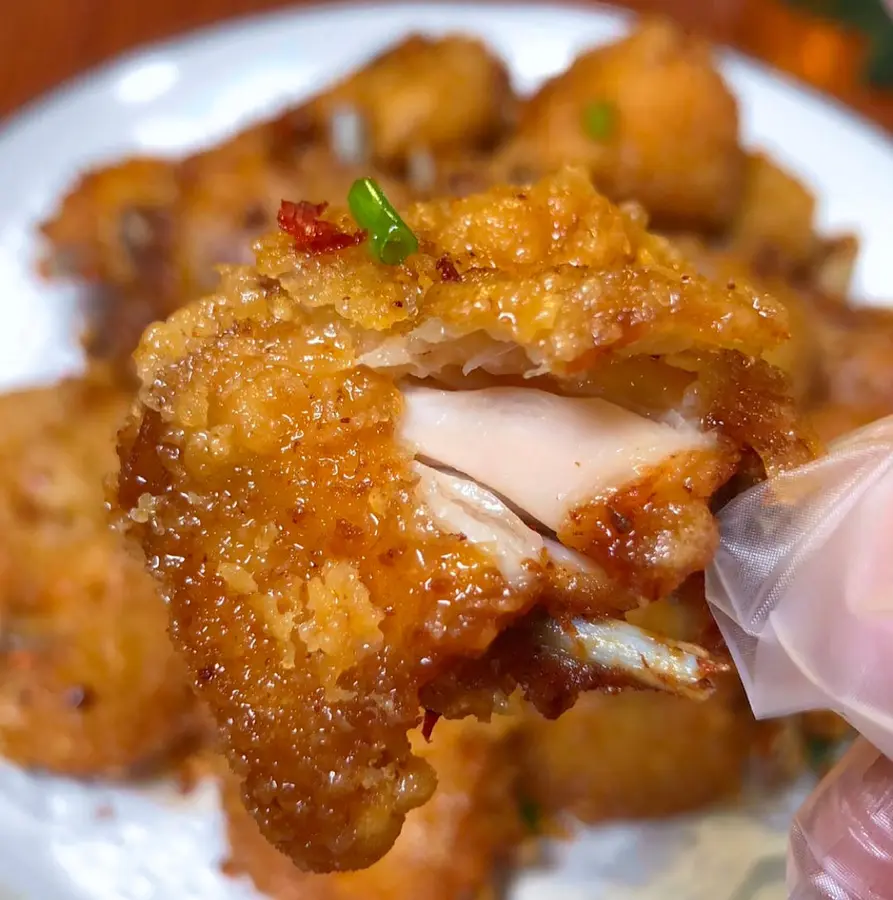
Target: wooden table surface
[{"x": 44, "y": 42}]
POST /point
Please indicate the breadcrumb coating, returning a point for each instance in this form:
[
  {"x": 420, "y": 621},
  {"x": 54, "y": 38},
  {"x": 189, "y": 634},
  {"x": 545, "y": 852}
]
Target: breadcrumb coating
[
  {"x": 150, "y": 233},
  {"x": 316, "y": 598},
  {"x": 89, "y": 684},
  {"x": 455, "y": 846}
]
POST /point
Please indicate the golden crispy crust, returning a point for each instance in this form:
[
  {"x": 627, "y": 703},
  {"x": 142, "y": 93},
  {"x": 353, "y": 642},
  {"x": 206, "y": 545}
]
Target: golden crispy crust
[
  {"x": 671, "y": 138},
  {"x": 452, "y": 847},
  {"x": 443, "y": 96},
  {"x": 89, "y": 684},
  {"x": 638, "y": 754},
  {"x": 313, "y": 595},
  {"x": 151, "y": 233}
]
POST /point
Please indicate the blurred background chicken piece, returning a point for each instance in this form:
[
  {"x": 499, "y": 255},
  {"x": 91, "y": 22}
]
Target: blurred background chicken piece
[
  {"x": 651, "y": 119},
  {"x": 638, "y": 754},
  {"x": 89, "y": 684},
  {"x": 444, "y": 96}
]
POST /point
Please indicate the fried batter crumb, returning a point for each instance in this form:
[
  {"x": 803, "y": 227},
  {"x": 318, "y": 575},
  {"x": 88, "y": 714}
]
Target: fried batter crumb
[
  {"x": 456, "y": 846},
  {"x": 89, "y": 685},
  {"x": 306, "y": 395}
]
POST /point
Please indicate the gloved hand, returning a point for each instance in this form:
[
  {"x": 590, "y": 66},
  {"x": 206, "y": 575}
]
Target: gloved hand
[{"x": 802, "y": 588}]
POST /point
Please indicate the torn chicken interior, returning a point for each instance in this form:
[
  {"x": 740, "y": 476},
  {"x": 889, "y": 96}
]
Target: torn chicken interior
[{"x": 374, "y": 489}]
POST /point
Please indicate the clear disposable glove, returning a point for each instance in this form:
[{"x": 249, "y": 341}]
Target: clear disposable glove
[{"x": 802, "y": 588}]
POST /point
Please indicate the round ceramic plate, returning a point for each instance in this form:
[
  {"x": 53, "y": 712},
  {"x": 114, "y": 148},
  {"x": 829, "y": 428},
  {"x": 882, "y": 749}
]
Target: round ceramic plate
[{"x": 64, "y": 840}]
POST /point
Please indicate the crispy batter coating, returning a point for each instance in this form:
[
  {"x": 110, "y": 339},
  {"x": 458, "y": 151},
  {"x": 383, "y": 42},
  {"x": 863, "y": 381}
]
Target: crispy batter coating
[
  {"x": 445, "y": 96},
  {"x": 638, "y": 754},
  {"x": 151, "y": 233},
  {"x": 775, "y": 220},
  {"x": 799, "y": 356},
  {"x": 454, "y": 846},
  {"x": 649, "y": 754},
  {"x": 314, "y": 594},
  {"x": 665, "y": 129},
  {"x": 89, "y": 684}
]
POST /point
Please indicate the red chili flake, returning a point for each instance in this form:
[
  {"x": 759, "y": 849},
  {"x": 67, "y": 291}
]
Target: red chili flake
[
  {"x": 430, "y": 721},
  {"x": 311, "y": 233},
  {"x": 447, "y": 269}
]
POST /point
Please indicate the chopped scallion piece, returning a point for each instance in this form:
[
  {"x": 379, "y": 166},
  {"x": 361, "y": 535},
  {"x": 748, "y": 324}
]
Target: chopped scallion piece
[
  {"x": 390, "y": 239},
  {"x": 599, "y": 120}
]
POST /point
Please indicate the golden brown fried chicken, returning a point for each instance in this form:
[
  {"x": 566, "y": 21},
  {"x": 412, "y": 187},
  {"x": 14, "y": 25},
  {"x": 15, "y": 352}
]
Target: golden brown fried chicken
[
  {"x": 638, "y": 754},
  {"x": 151, "y": 233},
  {"x": 89, "y": 684},
  {"x": 643, "y": 754},
  {"x": 855, "y": 354},
  {"x": 774, "y": 224},
  {"x": 453, "y": 847},
  {"x": 651, "y": 119},
  {"x": 444, "y": 96},
  {"x": 856, "y": 344},
  {"x": 774, "y": 235},
  {"x": 799, "y": 356},
  {"x": 348, "y": 478}
]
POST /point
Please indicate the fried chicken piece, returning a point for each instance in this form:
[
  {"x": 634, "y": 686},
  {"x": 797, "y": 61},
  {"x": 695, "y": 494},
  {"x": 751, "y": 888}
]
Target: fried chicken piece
[
  {"x": 855, "y": 350},
  {"x": 856, "y": 346},
  {"x": 773, "y": 234},
  {"x": 774, "y": 224},
  {"x": 833, "y": 420},
  {"x": 800, "y": 356},
  {"x": 89, "y": 684},
  {"x": 347, "y": 477},
  {"x": 151, "y": 233},
  {"x": 638, "y": 754},
  {"x": 445, "y": 96},
  {"x": 652, "y": 754},
  {"x": 651, "y": 119},
  {"x": 454, "y": 846}
]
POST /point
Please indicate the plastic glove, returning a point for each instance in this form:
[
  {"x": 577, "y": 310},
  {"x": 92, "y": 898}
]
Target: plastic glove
[{"x": 802, "y": 589}]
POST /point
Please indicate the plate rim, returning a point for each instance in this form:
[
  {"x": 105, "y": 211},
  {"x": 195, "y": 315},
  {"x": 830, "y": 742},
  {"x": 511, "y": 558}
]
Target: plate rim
[{"x": 20, "y": 118}]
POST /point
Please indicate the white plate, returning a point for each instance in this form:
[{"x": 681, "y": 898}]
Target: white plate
[{"x": 56, "y": 840}]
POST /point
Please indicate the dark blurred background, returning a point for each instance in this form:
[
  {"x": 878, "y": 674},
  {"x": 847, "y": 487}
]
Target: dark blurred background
[{"x": 844, "y": 47}]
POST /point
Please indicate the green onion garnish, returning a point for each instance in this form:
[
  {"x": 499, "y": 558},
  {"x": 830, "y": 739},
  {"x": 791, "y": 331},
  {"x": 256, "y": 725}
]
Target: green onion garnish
[
  {"x": 390, "y": 239},
  {"x": 599, "y": 120}
]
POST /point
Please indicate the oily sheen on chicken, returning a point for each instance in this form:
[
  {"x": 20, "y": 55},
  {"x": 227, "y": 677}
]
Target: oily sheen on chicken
[{"x": 363, "y": 487}]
